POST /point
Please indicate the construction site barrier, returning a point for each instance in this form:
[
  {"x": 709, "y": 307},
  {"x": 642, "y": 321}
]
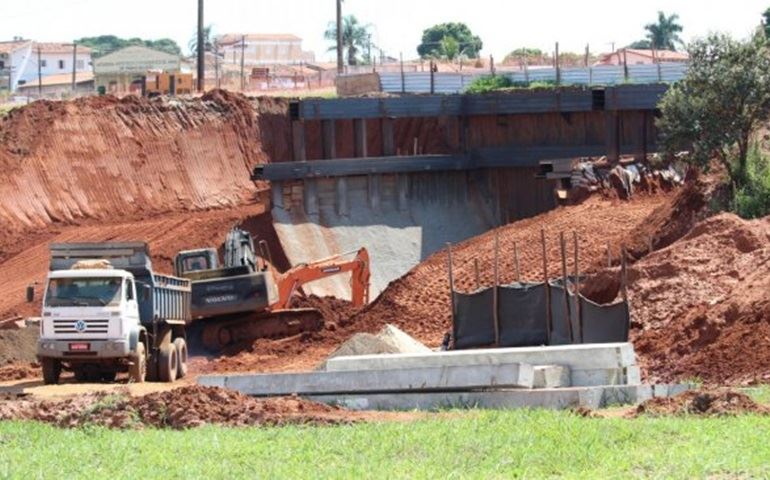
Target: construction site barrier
[{"x": 522, "y": 317}]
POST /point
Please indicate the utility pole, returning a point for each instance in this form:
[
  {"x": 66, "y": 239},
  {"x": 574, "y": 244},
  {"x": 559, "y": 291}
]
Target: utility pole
[
  {"x": 216, "y": 63},
  {"x": 39, "y": 73},
  {"x": 74, "y": 66},
  {"x": 340, "y": 64},
  {"x": 201, "y": 50},
  {"x": 243, "y": 50}
]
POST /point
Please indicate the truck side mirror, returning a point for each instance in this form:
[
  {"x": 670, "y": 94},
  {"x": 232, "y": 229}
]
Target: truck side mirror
[{"x": 30, "y": 293}]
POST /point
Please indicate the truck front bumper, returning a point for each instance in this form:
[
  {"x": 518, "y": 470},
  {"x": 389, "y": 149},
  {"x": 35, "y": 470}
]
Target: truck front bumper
[{"x": 98, "y": 349}]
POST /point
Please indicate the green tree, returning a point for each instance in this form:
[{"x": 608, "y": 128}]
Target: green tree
[
  {"x": 104, "y": 44},
  {"x": 433, "y": 37},
  {"x": 766, "y": 22},
  {"x": 640, "y": 45},
  {"x": 355, "y": 38},
  {"x": 719, "y": 105},
  {"x": 664, "y": 34}
]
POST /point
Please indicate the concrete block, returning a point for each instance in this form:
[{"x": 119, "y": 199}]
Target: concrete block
[
  {"x": 591, "y": 377},
  {"x": 551, "y": 376},
  {"x": 550, "y": 398},
  {"x": 398, "y": 380},
  {"x": 575, "y": 357}
]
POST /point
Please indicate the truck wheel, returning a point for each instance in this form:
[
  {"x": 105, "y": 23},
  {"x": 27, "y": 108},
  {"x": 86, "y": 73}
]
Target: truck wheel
[
  {"x": 51, "y": 371},
  {"x": 181, "y": 357},
  {"x": 108, "y": 377},
  {"x": 138, "y": 370},
  {"x": 167, "y": 363}
]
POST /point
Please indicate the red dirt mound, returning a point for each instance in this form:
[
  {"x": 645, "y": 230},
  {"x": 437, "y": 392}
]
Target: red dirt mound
[
  {"x": 419, "y": 304},
  {"x": 701, "y": 403},
  {"x": 118, "y": 160},
  {"x": 700, "y": 307},
  {"x": 13, "y": 372},
  {"x": 182, "y": 408},
  {"x": 672, "y": 220}
]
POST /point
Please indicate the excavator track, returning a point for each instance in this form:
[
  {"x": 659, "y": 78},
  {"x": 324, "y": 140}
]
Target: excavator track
[{"x": 220, "y": 333}]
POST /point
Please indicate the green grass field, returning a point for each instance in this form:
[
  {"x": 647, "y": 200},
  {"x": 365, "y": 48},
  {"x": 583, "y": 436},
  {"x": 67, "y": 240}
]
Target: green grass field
[{"x": 474, "y": 444}]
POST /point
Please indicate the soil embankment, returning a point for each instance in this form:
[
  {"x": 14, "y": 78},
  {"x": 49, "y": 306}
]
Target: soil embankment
[{"x": 109, "y": 160}]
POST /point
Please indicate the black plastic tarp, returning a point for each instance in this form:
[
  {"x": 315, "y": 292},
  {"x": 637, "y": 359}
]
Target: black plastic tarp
[
  {"x": 604, "y": 323},
  {"x": 474, "y": 319},
  {"x": 522, "y": 315}
]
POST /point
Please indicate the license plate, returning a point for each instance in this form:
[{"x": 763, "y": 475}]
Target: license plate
[{"x": 80, "y": 347}]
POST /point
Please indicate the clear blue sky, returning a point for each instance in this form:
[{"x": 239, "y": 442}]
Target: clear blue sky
[{"x": 396, "y": 24}]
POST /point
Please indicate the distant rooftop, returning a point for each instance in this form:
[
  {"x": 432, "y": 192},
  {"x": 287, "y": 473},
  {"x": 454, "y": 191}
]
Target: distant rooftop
[{"x": 230, "y": 38}]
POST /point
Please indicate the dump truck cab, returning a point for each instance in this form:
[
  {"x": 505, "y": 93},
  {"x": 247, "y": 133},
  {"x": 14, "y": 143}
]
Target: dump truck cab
[{"x": 89, "y": 313}]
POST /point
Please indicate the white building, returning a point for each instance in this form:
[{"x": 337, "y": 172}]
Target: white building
[
  {"x": 19, "y": 62},
  {"x": 263, "y": 49}
]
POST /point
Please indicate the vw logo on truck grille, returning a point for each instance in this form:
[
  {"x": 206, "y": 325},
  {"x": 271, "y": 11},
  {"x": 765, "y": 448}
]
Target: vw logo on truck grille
[{"x": 81, "y": 326}]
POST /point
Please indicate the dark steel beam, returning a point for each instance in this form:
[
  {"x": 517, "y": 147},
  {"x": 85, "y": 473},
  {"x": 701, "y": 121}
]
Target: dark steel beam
[
  {"x": 480, "y": 158},
  {"x": 625, "y": 97}
]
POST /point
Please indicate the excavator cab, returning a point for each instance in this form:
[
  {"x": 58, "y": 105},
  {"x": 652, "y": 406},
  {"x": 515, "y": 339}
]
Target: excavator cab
[{"x": 195, "y": 261}]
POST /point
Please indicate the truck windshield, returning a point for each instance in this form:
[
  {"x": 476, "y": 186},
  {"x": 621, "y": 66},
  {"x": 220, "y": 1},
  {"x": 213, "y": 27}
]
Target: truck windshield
[{"x": 83, "y": 292}]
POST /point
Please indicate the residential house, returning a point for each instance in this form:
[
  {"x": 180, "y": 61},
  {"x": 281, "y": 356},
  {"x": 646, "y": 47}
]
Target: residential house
[
  {"x": 26, "y": 62},
  {"x": 633, "y": 56},
  {"x": 263, "y": 49}
]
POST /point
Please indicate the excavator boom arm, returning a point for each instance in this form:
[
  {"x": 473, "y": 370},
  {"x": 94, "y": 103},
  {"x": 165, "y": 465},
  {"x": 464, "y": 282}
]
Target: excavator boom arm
[{"x": 291, "y": 281}]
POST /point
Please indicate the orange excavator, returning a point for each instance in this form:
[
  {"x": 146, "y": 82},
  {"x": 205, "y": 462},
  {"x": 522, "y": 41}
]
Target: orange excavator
[{"x": 246, "y": 298}]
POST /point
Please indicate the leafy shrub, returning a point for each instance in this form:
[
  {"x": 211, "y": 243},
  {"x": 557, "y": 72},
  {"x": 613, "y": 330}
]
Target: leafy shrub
[
  {"x": 489, "y": 83},
  {"x": 752, "y": 199}
]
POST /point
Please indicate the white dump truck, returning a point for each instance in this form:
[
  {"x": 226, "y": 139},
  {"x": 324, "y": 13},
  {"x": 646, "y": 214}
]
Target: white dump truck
[{"x": 105, "y": 311}]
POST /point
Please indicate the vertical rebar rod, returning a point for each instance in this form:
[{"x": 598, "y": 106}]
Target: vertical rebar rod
[{"x": 478, "y": 275}]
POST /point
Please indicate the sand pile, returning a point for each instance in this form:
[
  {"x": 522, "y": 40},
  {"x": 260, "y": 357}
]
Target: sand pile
[
  {"x": 701, "y": 403},
  {"x": 182, "y": 408},
  {"x": 388, "y": 340},
  {"x": 116, "y": 160}
]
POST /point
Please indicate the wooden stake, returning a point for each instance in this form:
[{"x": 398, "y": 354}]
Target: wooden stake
[
  {"x": 548, "y": 315},
  {"x": 495, "y": 292},
  {"x": 516, "y": 261},
  {"x": 563, "y": 245},
  {"x": 478, "y": 275},
  {"x": 624, "y": 286},
  {"x": 609, "y": 255},
  {"x": 577, "y": 286},
  {"x": 451, "y": 279}
]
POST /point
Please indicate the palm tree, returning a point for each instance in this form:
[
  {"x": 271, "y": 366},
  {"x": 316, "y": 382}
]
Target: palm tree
[
  {"x": 207, "y": 44},
  {"x": 665, "y": 33},
  {"x": 355, "y": 37}
]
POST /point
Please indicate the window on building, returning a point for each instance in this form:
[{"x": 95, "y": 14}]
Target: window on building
[
  {"x": 61, "y": 64},
  {"x": 2, "y": 65},
  {"x": 43, "y": 63},
  {"x": 81, "y": 64}
]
